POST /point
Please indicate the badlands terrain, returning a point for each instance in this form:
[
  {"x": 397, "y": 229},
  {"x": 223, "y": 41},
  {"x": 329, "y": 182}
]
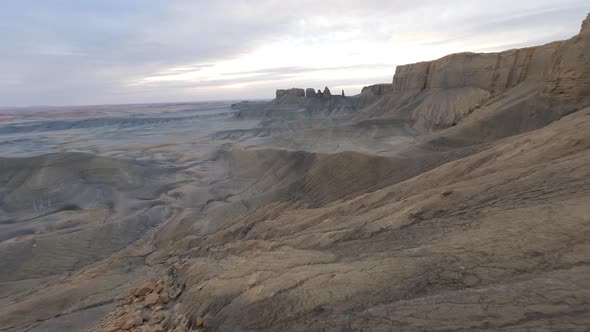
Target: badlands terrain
[{"x": 456, "y": 197}]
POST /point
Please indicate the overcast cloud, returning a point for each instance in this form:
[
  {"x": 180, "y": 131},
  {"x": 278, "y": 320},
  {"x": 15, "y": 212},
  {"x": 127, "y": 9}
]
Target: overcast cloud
[{"x": 62, "y": 52}]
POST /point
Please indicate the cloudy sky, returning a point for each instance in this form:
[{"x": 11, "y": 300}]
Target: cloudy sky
[{"x": 71, "y": 52}]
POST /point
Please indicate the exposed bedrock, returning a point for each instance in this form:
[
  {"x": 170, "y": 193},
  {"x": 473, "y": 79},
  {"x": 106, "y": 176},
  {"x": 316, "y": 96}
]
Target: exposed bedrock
[
  {"x": 295, "y": 92},
  {"x": 500, "y": 228},
  {"x": 493, "y": 72},
  {"x": 467, "y": 227},
  {"x": 550, "y": 80},
  {"x": 380, "y": 89},
  {"x": 300, "y": 93},
  {"x": 310, "y": 93},
  {"x": 569, "y": 79}
]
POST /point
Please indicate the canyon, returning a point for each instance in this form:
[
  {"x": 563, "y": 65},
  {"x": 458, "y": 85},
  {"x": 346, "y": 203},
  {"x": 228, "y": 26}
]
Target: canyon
[{"x": 456, "y": 197}]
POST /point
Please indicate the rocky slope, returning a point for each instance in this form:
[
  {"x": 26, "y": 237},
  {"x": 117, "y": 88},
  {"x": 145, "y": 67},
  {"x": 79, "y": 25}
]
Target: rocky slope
[
  {"x": 455, "y": 198},
  {"x": 462, "y": 230},
  {"x": 496, "y": 240}
]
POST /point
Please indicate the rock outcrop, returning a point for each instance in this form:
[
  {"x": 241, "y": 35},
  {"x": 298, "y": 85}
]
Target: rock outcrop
[
  {"x": 310, "y": 93},
  {"x": 296, "y": 103},
  {"x": 301, "y": 93},
  {"x": 493, "y": 72},
  {"x": 569, "y": 79},
  {"x": 551, "y": 79},
  {"x": 293, "y": 92},
  {"x": 586, "y": 24},
  {"x": 149, "y": 307},
  {"x": 380, "y": 89}
]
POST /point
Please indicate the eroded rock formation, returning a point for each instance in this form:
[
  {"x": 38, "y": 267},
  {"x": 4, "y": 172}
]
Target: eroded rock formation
[
  {"x": 380, "y": 89},
  {"x": 492, "y": 72},
  {"x": 300, "y": 93},
  {"x": 310, "y": 93},
  {"x": 294, "y": 92},
  {"x": 441, "y": 93}
]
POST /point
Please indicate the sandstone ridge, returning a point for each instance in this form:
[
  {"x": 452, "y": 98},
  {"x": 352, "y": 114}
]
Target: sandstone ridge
[
  {"x": 301, "y": 93},
  {"x": 553, "y": 79}
]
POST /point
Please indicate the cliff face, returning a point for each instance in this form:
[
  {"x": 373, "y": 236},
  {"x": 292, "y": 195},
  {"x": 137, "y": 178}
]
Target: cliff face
[
  {"x": 380, "y": 89},
  {"x": 493, "y": 72},
  {"x": 442, "y": 93},
  {"x": 293, "y": 92},
  {"x": 569, "y": 79}
]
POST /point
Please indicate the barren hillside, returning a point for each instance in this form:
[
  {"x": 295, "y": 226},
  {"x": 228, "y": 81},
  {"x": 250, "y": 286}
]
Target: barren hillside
[{"x": 456, "y": 198}]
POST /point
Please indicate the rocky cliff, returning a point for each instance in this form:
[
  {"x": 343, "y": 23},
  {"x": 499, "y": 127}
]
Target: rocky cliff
[
  {"x": 293, "y": 92},
  {"x": 569, "y": 78},
  {"x": 442, "y": 93},
  {"x": 380, "y": 89},
  {"x": 492, "y": 72}
]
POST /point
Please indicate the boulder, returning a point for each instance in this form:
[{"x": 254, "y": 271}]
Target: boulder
[
  {"x": 151, "y": 299},
  {"x": 164, "y": 297}
]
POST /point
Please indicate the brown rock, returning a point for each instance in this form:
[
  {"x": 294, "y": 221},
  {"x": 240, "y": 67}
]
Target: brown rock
[
  {"x": 151, "y": 299},
  {"x": 164, "y": 297},
  {"x": 446, "y": 192},
  {"x": 132, "y": 322},
  {"x": 112, "y": 328},
  {"x": 148, "y": 287},
  {"x": 155, "y": 328},
  {"x": 175, "y": 292},
  {"x": 378, "y": 89},
  {"x": 158, "y": 317},
  {"x": 143, "y": 314},
  {"x": 158, "y": 288}
]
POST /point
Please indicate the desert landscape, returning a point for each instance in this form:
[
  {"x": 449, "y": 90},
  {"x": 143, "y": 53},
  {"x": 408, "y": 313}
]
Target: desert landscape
[{"x": 455, "y": 197}]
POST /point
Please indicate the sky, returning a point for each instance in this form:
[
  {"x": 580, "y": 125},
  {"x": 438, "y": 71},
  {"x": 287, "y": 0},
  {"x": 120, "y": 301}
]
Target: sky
[{"x": 74, "y": 52}]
